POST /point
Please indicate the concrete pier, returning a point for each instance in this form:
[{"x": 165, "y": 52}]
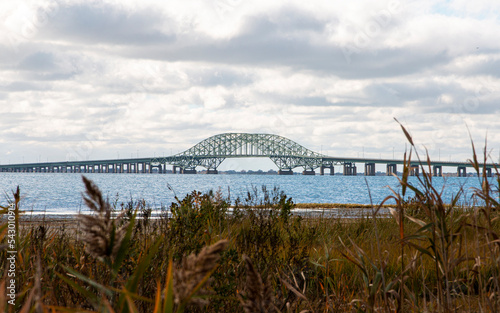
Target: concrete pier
[
  {"x": 414, "y": 170},
  {"x": 369, "y": 169},
  {"x": 461, "y": 171},
  {"x": 212, "y": 171},
  {"x": 392, "y": 169},
  {"x": 437, "y": 171},
  {"x": 188, "y": 171},
  {"x": 488, "y": 172},
  {"x": 322, "y": 170},
  {"x": 285, "y": 172},
  {"x": 349, "y": 169},
  {"x": 308, "y": 172}
]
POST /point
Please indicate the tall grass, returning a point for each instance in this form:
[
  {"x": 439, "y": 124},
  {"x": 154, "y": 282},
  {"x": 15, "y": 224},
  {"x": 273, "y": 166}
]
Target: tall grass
[{"x": 200, "y": 257}]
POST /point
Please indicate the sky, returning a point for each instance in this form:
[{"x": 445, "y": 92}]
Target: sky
[{"x": 84, "y": 80}]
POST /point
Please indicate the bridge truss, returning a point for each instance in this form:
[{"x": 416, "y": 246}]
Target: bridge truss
[{"x": 211, "y": 152}]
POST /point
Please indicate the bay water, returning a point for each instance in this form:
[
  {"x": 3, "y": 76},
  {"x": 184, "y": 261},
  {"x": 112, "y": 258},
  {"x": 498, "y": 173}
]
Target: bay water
[{"x": 61, "y": 194}]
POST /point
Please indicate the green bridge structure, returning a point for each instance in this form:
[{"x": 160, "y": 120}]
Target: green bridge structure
[{"x": 211, "y": 152}]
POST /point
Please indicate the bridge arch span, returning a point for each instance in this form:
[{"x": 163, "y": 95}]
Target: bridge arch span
[{"x": 211, "y": 152}]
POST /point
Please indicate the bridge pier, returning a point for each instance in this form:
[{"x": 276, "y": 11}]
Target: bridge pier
[
  {"x": 285, "y": 172},
  {"x": 322, "y": 170},
  {"x": 350, "y": 169},
  {"x": 308, "y": 172},
  {"x": 212, "y": 171},
  {"x": 188, "y": 171},
  {"x": 437, "y": 171},
  {"x": 369, "y": 169},
  {"x": 392, "y": 169},
  {"x": 488, "y": 172},
  {"x": 414, "y": 170},
  {"x": 461, "y": 171}
]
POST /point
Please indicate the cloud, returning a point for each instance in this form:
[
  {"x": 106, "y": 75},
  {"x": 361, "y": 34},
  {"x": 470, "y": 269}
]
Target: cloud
[
  {"x": 99, "y": 23},
  {"x": 93, "y": 79}
]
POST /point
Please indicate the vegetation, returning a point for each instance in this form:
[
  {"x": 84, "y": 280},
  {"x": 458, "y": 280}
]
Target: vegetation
[{"x": 207, "y": 253}]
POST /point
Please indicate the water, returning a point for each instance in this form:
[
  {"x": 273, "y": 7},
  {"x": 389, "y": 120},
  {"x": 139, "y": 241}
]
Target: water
[{"x": 60, "y": 194}]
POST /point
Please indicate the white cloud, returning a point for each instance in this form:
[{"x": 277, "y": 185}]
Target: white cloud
[{"x": 92, "y": 79}]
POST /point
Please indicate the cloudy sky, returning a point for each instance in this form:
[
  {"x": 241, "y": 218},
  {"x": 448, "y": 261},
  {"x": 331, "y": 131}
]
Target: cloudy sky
[{"x": 108, "y": 79}]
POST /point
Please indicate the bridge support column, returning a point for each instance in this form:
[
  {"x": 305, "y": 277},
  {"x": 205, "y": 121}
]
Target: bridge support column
[
  {"x": 437, "y": 171},
  {"x": 461, "y": 171},
  {"x": 488, "y": 172},
  {"x": 332, "y": 170},
  {"x": 369, "y": 169},
  {"x": 322, "y": 170},
  {"x": 212, "y": 171},
  {"x": 174, "y": 169},
  {"x": 188, "y": 171},
  {"x": 285, "y": 172},
  {"x": 350, "y": 169},
  {"x": 308, "y": 172},
  {"x": 414, "y": 170},
  {"x": 392, "y": 169}
]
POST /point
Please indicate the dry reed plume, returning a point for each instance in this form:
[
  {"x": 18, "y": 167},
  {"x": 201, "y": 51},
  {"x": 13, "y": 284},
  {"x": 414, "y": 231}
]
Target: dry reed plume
[
  {"x": 102, "y": 235},
  {"x": 259, "y": 296},
  {"x": 193, "y": 273}
]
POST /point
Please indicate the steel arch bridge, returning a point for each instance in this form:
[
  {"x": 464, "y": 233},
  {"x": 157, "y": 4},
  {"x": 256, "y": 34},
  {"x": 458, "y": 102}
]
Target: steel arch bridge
[{"x": 211, "y": 152}]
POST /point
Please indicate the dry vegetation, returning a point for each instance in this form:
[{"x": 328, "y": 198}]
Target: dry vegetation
[{"x": 431, "y": 257}]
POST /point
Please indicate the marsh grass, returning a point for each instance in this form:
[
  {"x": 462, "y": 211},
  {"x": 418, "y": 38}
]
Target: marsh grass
[{"x": 430, "y": 256}]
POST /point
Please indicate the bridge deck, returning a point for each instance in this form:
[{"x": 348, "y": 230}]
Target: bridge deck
[{"x": 173, "y": 159}]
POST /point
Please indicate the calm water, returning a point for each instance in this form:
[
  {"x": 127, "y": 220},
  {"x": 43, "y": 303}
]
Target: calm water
[{"x": 55, "y": 193}]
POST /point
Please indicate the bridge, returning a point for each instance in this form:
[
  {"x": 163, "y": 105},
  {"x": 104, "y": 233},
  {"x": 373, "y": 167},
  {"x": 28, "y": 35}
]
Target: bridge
[{"x": 211, "y": 152}]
